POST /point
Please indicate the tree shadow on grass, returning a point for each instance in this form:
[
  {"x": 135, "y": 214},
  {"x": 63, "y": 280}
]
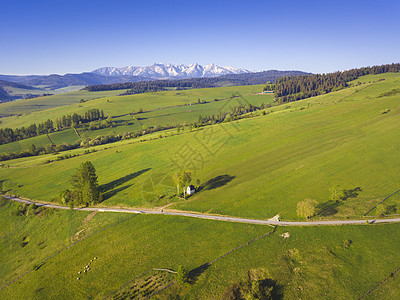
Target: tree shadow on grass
[
  {"x": 352, "y": 193},
  {"x": 216, "y": 182},
  {"x": 328, "y": 208},
  {"x": 277, "y": 291},
  {"x": 110, "y": 189},
  {"x": 104, "y": 188},
  {"x": 391, "y": 209},
  {"x": 195, "y": 273},
  {"x": 113, "y": 192}
]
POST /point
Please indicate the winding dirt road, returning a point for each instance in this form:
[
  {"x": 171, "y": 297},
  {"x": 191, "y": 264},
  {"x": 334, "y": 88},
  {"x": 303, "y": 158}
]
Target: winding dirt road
[{"x": 214, "y": 217}]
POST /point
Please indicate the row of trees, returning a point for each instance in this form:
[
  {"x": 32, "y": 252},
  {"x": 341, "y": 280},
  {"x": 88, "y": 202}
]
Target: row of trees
[
  {"x": 192, "y": 83},
  {"x": 236, "y": 113},
  {"x": 8, "y": 135},
  {"x": 39, "y": 150},
  {"x": 153, "y": 86},
  {"x": 75, "y": 119},
  {"x": 293, "y": 88}
]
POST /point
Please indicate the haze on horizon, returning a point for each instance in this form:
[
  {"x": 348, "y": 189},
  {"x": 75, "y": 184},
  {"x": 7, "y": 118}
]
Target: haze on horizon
[{"x": 47, "y": 37}]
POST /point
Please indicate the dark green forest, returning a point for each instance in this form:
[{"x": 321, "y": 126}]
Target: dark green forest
[
  {"x": 193, "y": 83},
  {"x": 293, "y": 88}
]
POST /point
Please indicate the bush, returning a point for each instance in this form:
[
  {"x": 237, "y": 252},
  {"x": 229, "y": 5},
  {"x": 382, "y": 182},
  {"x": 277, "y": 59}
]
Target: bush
[
  {"x": 31, "y": 210},
  {"x": 182, "y": 276},
  {"x": 20, "y": 209},
  {"x": 347, "y": 243},
  {"x": 307, "y": 208}
]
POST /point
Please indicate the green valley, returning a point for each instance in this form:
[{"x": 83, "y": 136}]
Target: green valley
[{"x": 339, "y": 149}]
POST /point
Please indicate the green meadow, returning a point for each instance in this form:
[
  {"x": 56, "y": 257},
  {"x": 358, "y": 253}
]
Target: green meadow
[
  {"x": 29, "y": 106},
  {"x": 256, "y": 167},
  {"x": 310, "y": 263},
  {"x": 166, "y": 115},
  {"x": 40, "y": 109}
]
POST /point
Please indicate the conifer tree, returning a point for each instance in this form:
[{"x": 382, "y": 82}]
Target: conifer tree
[{"x": 85, "y": 185}]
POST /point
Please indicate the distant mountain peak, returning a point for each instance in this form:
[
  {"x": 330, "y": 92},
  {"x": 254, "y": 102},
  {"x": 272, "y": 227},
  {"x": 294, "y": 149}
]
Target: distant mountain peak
[{"x": 169, "y": 71}]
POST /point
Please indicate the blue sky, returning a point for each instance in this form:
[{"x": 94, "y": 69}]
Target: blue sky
[{"x": 44, "y": 37}]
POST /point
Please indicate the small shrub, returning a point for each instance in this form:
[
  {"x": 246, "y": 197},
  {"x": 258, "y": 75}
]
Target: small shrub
[
  {"x": 347, "y": 244},
  {"x": 20, "y": 209},
  {"x": 182, "y": 276}
]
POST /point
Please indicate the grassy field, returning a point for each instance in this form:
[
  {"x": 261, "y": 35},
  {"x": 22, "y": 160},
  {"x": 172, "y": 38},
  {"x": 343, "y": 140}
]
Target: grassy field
[
  {"x": 346, "y": 259},
  {"x": 42, "y": 90},
  {"x": 167, "y": 115},
  {"x": 66, "y": 136},
  {"x": 255, "y": 168},
  {"x": 43, "y": 103},
  {"x": 40, "y": 109}
]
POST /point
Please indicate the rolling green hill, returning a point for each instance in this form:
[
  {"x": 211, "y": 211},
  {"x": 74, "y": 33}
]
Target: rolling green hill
[
  {"x": 121, "y": 250},
  {"x": 40, "y": 109},
  {"x": 159, "y": 109},
  {"x": 29, "y": 106},
  {"x": 255, "y": 167},
  {"x": 267, "y": 163}
]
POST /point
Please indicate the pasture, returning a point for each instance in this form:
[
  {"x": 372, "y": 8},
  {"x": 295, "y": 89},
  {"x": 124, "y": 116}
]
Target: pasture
[
  {"x": 120, "y": 247},
  {"x": 40, "y": 109},
  {"x": 256, "y": 167}
]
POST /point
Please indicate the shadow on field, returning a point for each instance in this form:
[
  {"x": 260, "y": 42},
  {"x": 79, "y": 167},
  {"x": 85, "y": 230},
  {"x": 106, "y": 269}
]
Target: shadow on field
[
  {"x": 328, "y": 208},
  {"x": 195, "y": 273},
  {"x": 108, "y": 190},
  {"x": 352, "y": 193},
  {"x": 113, "y": 192},
  {"x": 216, "y": 182},
  {"x": 277, "y": 289}
]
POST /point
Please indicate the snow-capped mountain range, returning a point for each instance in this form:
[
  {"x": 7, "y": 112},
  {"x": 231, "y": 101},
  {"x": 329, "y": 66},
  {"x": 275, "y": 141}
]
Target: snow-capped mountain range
[{"x": 164, "y": 71}]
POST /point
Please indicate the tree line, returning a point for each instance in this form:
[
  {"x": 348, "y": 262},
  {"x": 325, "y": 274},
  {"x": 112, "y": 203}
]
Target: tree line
[
  {"x": 235, "y": 114},
  {"x": 153, "y": 86},
  {"x": 8, "y": 135},
  {"x": 192, "y": 83},
  {"x": 293, "y": 88}
]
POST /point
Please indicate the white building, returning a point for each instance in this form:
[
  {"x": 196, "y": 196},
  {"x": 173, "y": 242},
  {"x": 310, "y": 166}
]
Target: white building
[{"x": 190, "y": 190}]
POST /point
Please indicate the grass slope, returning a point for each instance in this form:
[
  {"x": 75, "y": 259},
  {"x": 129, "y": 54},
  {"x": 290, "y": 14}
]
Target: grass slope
[
  {"x": 346, "y": 259},
  {"x": 43, "y": 103},
  {"x": 258, "y": 167},
  {"x": 165, "y": 116},
  {"x": 40, "y": 109}
]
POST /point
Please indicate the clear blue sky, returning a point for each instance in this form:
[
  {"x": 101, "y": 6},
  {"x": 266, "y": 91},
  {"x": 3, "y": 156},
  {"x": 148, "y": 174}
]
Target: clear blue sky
[{"x": 43, "y": 37}]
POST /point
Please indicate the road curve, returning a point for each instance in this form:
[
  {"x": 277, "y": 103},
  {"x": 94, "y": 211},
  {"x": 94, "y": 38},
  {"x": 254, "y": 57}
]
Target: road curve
[{"x": 213, "y": 217}]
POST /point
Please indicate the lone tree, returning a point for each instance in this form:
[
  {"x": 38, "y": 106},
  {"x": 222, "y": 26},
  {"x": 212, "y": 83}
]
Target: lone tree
[
  {"x": 85, "y": 186},
  {"x": 182, "y": 179},
  {"x": 307, "y": 208}
]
